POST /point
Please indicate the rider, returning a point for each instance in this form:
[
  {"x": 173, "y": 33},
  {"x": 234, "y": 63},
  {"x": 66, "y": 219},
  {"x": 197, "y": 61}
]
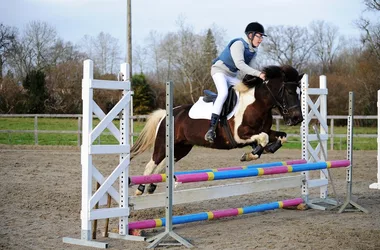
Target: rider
[{"x": 238, "y": 55}]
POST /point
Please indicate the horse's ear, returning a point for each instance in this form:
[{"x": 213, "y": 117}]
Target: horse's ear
[{"x": 300, "y": 77}]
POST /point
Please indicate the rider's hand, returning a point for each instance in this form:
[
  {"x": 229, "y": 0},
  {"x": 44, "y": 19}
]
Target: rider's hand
[{"x": 262, "y": 76}]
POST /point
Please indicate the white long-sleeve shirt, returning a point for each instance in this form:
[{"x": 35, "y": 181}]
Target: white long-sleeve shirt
[{"x": 237, "y": 54}]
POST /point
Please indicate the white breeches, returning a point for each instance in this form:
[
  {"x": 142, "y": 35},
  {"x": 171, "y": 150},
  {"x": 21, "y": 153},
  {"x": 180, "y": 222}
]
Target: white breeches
[{"x": 222, "y": 82}]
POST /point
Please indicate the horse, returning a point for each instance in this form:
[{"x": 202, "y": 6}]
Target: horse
[{"x": 250, "y": 123}]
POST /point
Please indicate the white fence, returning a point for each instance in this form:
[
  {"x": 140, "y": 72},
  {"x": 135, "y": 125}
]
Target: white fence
[{"x": 78, "y": 132}]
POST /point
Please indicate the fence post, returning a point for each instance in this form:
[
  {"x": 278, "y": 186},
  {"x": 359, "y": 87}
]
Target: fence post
[
  {"x": 35, "y": 130},
  {"x": 332, "y": 134},
  {"x": 131, "y": 120},
  {"x": 277, "y": 124},
  {"x": 79, "y": 131}
]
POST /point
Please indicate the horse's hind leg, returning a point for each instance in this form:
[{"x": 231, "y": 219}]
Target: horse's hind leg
[
  {"x": 149, "y": 168},
  {"x": 152, "y": 186},
  {"x": 180, "y": 151}
]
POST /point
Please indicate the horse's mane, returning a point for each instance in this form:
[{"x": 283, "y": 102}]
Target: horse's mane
[
  {"x": 247, "y": 83},
  {"x": 289, "y": 73},
  {"x": 273, "y": 71}
]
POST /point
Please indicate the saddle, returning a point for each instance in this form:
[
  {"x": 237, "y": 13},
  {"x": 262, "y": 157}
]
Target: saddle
[
  {"x": 228, "y": 105},
  {"x": 227, "y": 108}
]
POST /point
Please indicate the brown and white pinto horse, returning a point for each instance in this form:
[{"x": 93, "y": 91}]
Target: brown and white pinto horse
[{"x": 250, "y": 125}]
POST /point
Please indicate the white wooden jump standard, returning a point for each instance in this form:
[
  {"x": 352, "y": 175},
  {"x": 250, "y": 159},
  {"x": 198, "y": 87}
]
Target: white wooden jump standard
[
  {"x": 89, "y": 171},
  {"x": 376, "y": 185},
  {"x": 315, "y": 110}
]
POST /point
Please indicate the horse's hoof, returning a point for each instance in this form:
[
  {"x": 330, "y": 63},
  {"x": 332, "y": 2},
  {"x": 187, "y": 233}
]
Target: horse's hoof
[
  {"x": 302, "y": 206},
  {"x": 176, "y": 184},
  {"x": 249, "y": 157},
  {"x": 244, "y": 157},
  {"x": 151, "y": 188},
  {"x": 138, "y": 192},
  {"x": 137, "y": 232}
]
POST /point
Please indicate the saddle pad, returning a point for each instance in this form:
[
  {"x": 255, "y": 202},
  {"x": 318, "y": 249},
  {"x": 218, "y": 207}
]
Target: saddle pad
[{"x": 203, "y": 110}]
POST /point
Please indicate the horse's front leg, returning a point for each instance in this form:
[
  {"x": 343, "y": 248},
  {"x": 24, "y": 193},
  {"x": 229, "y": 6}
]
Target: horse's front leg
[
  {"x": 276, "y": 140},
  {"x": 258, "y": 146}
]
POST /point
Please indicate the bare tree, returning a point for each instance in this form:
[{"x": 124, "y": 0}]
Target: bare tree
[
  {"x": 86, "y": 45},
  {"x": 33, "y": 50},
  {"x": 20, "y": 58},
  {"x": 169, "y": 47},
  {"x": 63, "y": 52},
  {"x": 140, "y": 57},
  {"x": 154, "y": 39},
  {"x": 370, "y": 36},
  {"x": 63, "y": 88},
  {"x": 7, "y": 40},
  {"x": 289, "y": 45},
  {"x": 327, "y": 44},
  {"x": 104, "y": 50},
  {"x": 40, "y": 38},
  {"x": 184, "y": 57},
  {"x": 372, "y": 4},
  {"x": 371, "y": 30}
]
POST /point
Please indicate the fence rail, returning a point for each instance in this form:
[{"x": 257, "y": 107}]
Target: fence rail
[{"x": 78, "y": 132}]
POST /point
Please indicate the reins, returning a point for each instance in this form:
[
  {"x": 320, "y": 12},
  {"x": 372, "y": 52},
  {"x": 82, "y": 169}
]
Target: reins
[{"x": 281, "y": 93}]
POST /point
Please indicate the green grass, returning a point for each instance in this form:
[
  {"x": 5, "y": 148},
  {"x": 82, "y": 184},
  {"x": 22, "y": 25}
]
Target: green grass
[
  {"x": 71, "y": 124},
  {"x": 54, "y": 124}
]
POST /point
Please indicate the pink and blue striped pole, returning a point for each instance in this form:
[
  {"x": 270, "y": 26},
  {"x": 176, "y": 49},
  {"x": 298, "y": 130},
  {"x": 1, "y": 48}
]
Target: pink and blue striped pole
[
  {"x": 240, "y": 173},
  {"x": 182, "y": 219},
  {"x": 210, "y": 176},
  {"x": 260, "y": 165},
  {"x": 157, "y": 178}
]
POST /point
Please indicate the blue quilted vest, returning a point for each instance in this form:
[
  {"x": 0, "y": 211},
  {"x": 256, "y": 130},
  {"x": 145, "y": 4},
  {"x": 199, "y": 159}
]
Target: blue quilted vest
[{"x": 226, "y": 57}]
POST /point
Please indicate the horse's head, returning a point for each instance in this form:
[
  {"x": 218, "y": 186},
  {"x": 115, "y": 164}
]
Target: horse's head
[{"x": 283, "y": 84}]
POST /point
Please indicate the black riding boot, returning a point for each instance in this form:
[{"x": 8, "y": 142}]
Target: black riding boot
[{"x": 210, "y": 135}]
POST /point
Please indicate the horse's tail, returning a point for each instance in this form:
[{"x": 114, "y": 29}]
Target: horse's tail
[{"x": 147, "y": 135}]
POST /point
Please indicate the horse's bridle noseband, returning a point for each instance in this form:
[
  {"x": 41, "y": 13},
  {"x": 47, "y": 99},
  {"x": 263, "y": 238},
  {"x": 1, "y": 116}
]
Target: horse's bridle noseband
[{"x": 281, "y": 92}]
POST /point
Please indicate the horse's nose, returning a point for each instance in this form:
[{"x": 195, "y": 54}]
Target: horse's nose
[{"x": 297, "y": 120}]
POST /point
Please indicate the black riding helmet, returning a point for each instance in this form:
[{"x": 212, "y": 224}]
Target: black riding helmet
[{"x": 255, "y": 27}]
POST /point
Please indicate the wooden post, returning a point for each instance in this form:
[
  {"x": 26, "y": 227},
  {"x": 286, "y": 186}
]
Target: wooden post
[
  {"x": 332, "y": 134},
  {"x": 79, "y": 131},
  {"x": 129, "y": 36},
  {"x": 35, "y": 130}
]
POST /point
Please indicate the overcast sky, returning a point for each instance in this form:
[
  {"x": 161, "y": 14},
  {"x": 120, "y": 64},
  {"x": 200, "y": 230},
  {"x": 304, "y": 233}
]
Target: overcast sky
[{"x": 75, "y": 18}]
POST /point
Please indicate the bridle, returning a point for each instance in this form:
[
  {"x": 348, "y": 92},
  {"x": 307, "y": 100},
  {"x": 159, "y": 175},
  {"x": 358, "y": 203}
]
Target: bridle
[{"x": 281, "y": 92}]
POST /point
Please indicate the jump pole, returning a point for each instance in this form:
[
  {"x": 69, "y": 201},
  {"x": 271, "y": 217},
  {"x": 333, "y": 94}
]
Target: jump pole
[
  {"x": 260, "y": 165},
  {"x": 376, "y": 185},
  {"x": 186, "y": 178},
  {"x": 240, "y": 173},
  {"x": 156, "y": 178},
  {"x": 182, "y": 219}
]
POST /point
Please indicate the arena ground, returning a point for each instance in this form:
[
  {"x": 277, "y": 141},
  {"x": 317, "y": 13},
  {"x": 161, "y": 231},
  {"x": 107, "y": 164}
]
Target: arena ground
[{"x": 40, "y": 191}]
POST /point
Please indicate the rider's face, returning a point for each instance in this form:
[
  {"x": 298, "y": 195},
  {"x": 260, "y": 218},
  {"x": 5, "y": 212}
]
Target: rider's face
[{"x": 257, "y": 39}]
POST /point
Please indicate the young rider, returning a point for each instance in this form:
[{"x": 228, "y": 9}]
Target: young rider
[{"x": 238, "y": 55}]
